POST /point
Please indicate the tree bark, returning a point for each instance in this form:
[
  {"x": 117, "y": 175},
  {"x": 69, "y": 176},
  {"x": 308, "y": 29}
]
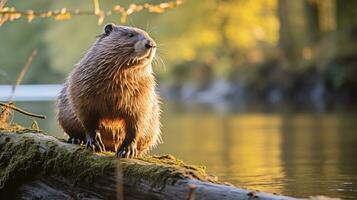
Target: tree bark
[
  {"x": 294, "y": 33},
  {"x": 37, "y": 166}
]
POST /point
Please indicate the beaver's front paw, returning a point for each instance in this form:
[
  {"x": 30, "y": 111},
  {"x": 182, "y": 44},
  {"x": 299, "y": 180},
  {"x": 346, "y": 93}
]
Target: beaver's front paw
[
  {"x": 95, "y": 144},
  {"x": 128, "y": 151}
]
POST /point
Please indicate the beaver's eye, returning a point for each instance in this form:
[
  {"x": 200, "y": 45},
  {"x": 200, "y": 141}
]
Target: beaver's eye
[{"x": 131, "y": 34}]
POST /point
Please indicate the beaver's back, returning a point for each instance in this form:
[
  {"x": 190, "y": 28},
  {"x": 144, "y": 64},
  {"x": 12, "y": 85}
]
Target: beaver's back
[{"x": 67, "y": 117}]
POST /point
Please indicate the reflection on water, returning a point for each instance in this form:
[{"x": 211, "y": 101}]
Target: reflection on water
[{"x": 294, "y": 154}]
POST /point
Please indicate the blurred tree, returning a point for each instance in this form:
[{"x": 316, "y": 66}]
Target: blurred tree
[
  {"x": 295, "y": 29},
  {"x": 346, "y": 15},
  {"x": 234, "y": 39},
  {"x": 312, "y": 18}
]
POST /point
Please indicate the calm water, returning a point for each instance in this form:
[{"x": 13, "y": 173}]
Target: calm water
[{"x": 295, "y": 154}]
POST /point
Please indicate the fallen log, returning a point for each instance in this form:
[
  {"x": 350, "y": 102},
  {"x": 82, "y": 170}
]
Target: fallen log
[{"x": 38, "y": 166}]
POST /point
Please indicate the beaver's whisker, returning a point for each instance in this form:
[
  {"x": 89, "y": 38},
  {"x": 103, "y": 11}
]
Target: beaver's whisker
[
  {"x": 161, "y": 44},
  {"x": 154, "y": 60},
  {"x": 152, "y": 28},
  {"x": 159, "y": 59}
]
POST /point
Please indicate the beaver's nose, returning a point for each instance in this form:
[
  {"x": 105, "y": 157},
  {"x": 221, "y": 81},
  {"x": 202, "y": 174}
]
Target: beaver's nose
[{"x": 149, "y": 44}]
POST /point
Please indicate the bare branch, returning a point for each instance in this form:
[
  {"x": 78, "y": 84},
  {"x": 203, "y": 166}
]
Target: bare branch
[
  {"x": 11, "y": 106},
  {"x": 10, "y": 13},
  {"x": 22, "y": 74},
  {"x": 2, "y": 3}
]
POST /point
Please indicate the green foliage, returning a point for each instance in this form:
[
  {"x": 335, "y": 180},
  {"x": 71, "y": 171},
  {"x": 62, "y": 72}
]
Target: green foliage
[
  {"x": 18, "y": 40},
  {"x": 226, "y": 35}
]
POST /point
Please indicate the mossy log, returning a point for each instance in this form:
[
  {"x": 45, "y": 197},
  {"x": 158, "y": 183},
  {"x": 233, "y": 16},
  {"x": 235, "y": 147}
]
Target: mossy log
[{"x": 38, "y": 166}]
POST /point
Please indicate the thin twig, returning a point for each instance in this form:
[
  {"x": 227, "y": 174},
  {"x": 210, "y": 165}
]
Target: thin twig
[
  {"x": 10, "y": 14},
  {"x": 5, "y": 105},
  {"x": 24, "y": 69},
  {"x": 22, "y": 74},
  {"x": 2, "y": 3},
  {"x": 96, "y": 7}
]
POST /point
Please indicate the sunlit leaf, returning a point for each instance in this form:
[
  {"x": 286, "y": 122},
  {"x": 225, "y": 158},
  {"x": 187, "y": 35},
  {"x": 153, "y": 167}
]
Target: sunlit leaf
[
  {"x": 63, "y": 16},
  {"x": 30, "y": 15}
]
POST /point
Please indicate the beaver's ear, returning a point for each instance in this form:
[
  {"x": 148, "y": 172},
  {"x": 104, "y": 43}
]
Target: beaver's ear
[{"x": 108, "y": 28}]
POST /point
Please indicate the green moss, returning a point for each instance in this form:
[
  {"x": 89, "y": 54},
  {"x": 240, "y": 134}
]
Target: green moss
[
  {"x": 17, "y": 161},
  {"x": 25, "y": 159},
  {"x": 28, "y": 157},
  {"x": 79, "y": 165},
  {"x": 163, "y": 170}
]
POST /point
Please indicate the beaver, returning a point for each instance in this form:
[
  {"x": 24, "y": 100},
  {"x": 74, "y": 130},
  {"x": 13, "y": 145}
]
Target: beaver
[{"x": 109, "y": 101}]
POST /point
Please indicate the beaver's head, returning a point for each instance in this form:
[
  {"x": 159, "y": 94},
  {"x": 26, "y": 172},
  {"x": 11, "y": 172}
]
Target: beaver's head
[{"x": 126, "y": 46}]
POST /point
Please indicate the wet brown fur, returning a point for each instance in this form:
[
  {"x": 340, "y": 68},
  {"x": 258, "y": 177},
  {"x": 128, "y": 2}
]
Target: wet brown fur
[{"x": 114, "y": 91}]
